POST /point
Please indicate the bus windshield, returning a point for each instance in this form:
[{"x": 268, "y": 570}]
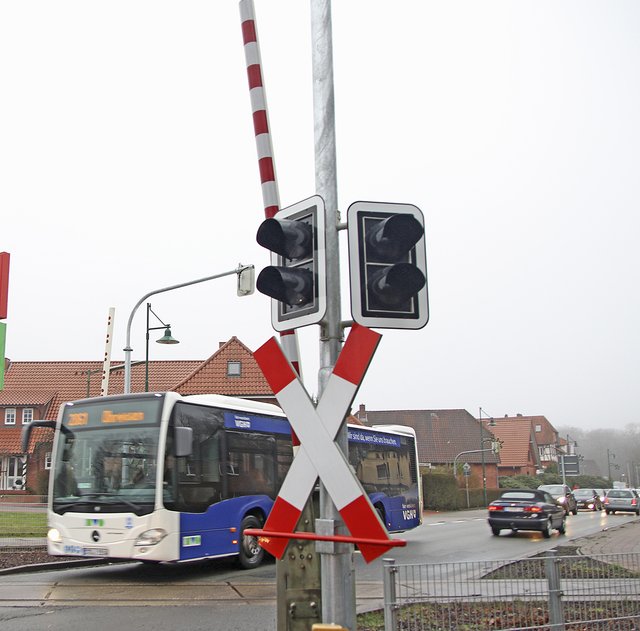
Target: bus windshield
[{"x": 106, "y": 456}]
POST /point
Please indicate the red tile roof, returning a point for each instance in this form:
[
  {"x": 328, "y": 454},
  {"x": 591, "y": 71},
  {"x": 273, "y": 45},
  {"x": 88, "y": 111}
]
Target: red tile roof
[
  {"x": 49, "y": 384},
  {"x": 211, "y": 375},
  {"x": 519, "y": 448},
  {"x": 26, "y": 397},
  {"x": 69, "y": 380},
  {"x": 547, "y": 434}
]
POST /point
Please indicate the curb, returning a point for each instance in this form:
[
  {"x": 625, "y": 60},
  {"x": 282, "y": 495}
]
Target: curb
[{"x": 60, "y": 565}]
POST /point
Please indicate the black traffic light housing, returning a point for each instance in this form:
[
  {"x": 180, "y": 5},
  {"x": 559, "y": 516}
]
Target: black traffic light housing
[
  {"x": 387, "y": 265},
  {"x": 296, "y": 278}
]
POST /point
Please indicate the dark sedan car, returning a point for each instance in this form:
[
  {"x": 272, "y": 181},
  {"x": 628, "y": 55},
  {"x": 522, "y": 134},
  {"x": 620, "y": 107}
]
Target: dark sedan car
[
  {"x": 588, "y": 499},
  {"x": 622, "y": 500},
  {"x": 526, "y": 509}
]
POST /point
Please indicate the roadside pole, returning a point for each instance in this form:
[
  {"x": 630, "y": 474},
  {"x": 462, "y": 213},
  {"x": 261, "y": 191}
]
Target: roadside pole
[{"x": 337, "y": 576}]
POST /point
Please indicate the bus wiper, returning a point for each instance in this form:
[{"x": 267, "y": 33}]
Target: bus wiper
[
  {"x": 112, "y": 499},
  {"x": 120, "y": 500}
]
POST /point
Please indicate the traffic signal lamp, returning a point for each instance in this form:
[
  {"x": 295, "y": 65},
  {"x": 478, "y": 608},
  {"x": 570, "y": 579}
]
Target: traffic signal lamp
[
  {"x": 387, "y": 265},
  {"x": 296, "y": 278}
]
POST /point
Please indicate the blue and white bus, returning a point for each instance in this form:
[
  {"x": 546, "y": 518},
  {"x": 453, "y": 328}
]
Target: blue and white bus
[{"x": 164, "y": 477}]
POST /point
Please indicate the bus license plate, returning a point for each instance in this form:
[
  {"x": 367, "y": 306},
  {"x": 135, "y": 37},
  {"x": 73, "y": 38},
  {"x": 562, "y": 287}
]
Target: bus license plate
[{"x": 96, "y": 552}]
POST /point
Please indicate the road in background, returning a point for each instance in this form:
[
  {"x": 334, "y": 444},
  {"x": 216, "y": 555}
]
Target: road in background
[{"x": 217, "y": 595}]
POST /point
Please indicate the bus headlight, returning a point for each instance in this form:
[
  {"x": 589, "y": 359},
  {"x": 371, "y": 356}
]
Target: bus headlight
[
  {"x": 151, "y": 537},
  {"x": 54, "y": 535}
]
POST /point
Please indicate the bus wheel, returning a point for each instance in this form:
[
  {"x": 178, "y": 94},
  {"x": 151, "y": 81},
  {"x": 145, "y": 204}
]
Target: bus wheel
[
  {"x": 251, "y": 554},
  {"x": 381, "y": 514}
]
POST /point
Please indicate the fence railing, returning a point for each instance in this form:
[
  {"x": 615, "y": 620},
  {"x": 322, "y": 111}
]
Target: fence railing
[
  {"x": 549, "y": 592},
  {"x": 23, "y": 523}
]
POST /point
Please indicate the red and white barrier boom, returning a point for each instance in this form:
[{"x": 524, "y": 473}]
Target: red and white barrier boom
[
  {"x": 264, "y": 146},
  {"x": 319, "y": 455}
]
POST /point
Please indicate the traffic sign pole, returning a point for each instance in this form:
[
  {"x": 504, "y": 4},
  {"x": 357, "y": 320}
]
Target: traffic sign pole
[{"x": 338, "y": 573}]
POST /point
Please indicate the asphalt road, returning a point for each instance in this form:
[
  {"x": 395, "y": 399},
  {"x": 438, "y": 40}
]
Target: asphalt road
[{"x": 217, "y": 595}]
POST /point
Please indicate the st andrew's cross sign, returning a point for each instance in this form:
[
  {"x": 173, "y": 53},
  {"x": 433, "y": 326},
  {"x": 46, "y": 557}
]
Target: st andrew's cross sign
[{"x": 318, "y": 455}]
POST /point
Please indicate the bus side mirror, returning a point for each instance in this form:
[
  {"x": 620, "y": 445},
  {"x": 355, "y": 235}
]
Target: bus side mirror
[
  {"x": 26, "y": 432},
  {"x": 183, "y": 441}
]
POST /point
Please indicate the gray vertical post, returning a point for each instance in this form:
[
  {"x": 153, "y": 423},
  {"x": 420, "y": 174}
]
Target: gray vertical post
[
  {"x": 556, "y": 613},
  {"x": 338, "y": 578},
  {"x": 389, "y": 586},
  {"x": 484, "y": 466}
]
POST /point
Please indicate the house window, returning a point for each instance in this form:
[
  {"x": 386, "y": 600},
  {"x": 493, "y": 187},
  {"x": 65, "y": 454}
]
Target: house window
[
  {"x": 234, "y": 369},
  {"x": 10, "y": 416},
  {"x": 27, "y": 416},
  {"x": 538, "y": 428},
  {"x": 47, "y": 460}
]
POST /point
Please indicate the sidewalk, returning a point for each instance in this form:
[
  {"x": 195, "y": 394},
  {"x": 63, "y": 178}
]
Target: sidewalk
[{"x": 622, "y": 539}]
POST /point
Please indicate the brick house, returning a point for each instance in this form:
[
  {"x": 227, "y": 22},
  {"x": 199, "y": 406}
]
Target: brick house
[
  {"x": 35, "y": 391},
  {"x": 443, "y": 436},
  {"x": 549, "y": 444},
  {"x": 520, "y": 453}
]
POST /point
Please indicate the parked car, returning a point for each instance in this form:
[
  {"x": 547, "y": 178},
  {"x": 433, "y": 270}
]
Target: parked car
[
  {"x": 562, "y": 494},
  {"x": 588, "y": 499},
  {"x": 526, "y": 509},
  {"x": 626, "y": 500}
]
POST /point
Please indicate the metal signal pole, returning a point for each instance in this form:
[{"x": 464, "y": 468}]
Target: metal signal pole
[{"x": 338, "y": 576}]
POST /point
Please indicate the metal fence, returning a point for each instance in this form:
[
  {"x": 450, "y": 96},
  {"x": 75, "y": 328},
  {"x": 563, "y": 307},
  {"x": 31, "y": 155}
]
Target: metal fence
[
  {"x": 548, "y": 592},
  {"x": 22, "y": 522}
]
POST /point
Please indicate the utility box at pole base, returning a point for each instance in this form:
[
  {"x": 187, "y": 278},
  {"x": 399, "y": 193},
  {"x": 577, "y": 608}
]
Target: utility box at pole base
[{"x": 387, "y": 265}]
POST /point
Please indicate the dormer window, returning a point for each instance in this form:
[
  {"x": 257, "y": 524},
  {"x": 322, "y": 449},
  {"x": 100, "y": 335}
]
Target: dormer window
[
  {"x": 10, "y": 416},
  {"x": 234, "y": 369},
  {"x": 27, "y": 416}
]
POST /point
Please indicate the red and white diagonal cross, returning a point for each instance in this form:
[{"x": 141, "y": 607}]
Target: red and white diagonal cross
[{"x": 318, "y": 454}]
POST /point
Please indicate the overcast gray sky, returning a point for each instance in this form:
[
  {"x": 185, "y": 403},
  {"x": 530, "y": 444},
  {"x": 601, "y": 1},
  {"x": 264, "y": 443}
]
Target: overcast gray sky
[{"x": 128, "y": 163}]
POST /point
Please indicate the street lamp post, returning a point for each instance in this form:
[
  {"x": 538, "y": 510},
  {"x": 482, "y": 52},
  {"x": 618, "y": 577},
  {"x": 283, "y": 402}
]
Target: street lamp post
[
  {"x": 167, "y": 338},
  {"x": 492, "y": 423},
  {"x": 610, "y": 456},
  {"x": 242, "y": 291}
]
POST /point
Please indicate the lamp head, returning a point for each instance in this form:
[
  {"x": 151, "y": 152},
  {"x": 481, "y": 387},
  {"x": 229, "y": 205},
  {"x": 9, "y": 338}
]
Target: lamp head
[{"x": 167, "y": 338}]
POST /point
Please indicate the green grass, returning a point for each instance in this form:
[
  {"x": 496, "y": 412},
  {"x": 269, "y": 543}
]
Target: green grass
[{"x": 16, "y": 524}]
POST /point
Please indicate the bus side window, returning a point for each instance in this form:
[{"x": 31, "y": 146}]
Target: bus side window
[{"x": 198, "y": 474}]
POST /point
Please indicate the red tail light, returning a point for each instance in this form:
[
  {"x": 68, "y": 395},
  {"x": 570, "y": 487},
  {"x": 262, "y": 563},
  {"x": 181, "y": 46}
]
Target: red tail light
[
  {"x": 492, "y": 508},
  {"x": 532, "y": 509},
  {"x": 633, "y": 502}
]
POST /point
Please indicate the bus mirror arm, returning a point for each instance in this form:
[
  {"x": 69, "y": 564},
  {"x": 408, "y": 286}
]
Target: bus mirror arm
[
  {"x": 26, "y": 432},
  {"x": 183, "y": 441}
]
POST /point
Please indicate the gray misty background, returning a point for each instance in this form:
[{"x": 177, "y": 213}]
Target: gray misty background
[{"x": 128, "y": 163}]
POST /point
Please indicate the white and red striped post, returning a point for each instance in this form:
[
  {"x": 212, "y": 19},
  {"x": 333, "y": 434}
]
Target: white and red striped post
[{"x": 266, "y": 162}]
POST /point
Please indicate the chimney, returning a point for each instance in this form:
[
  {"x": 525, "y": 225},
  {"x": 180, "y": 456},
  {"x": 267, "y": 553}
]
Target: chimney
[{"x": 362, "y": 413}]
